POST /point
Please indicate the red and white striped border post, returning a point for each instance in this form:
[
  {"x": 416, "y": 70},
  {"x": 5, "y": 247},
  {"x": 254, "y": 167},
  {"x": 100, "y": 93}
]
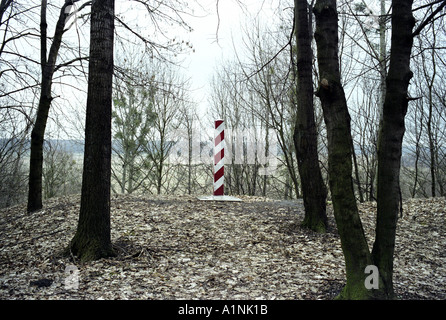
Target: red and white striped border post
[{"x": 219, "y": 155}]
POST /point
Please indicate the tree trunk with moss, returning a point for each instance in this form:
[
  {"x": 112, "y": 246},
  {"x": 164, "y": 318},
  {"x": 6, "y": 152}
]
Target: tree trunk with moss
[
  {"x": 305, "y": 133},
  {"x": 337, "y": 119},
  {"x": 390, "y": 141},
  {"x": 92, "y": 239},
  {"x": 353, "y": 242}
]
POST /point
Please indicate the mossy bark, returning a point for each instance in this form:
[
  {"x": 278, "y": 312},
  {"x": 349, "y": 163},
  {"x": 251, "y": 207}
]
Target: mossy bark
[
  {"x": 337, "y": 119},
  {"x": 92, "y": 239},
  {"x": 89, "y": 249},
  {"x": 305, "y": 134},
  {"x": 355, "y": 290},
  {"x": 390, "y": 140}
]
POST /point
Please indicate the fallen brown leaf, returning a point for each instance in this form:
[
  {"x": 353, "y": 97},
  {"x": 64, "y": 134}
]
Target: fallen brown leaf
[{"x": 172, "y": 247}]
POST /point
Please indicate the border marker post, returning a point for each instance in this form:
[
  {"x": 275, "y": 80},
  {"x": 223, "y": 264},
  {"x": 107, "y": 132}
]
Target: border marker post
[
  {"x": 219, "y": 165},
  {"x": 219, "y": 158}
]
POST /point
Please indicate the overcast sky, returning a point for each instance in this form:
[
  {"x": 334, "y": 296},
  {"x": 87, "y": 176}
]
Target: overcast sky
[{"x": 213, "y": 39}]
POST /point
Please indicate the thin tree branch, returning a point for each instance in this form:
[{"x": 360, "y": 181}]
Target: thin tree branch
[
  {"x": 65, "y": 64},
  {"x": 289, "y": 43},
  {"x": 428, "y": 19}
]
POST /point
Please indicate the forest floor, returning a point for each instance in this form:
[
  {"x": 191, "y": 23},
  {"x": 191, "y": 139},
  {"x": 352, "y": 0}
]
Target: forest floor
[{"x": 174, "y": 247}]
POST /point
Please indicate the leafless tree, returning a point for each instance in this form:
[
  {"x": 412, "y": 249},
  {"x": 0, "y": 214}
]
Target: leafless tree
[
  {"x": 48, "y": 60},
  {"x": 93, "y": 235}
]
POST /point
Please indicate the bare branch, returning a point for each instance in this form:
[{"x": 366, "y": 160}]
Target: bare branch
[
  {"x": 429, "y": 18},
  {"x": 65, "y": 64}
]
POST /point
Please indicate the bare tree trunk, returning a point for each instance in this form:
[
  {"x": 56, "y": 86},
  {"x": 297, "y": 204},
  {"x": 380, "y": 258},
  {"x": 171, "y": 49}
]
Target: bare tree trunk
[
  {"x": 189, "y": 155},
  {"x": 92, "y": 239},
  {"x": 417, "y": 158},
  {"x": 358, "y": 180},
  {"x": 430, "y": 79},
  {"x": 267, "y": 147},
  {"x": 390, "y": 140},
  {"x": 305, "y": 133},
  {"x": 382, "y": 58},
  {"x": 337, "y": 120},
  {"x": 48, "y": 66}
]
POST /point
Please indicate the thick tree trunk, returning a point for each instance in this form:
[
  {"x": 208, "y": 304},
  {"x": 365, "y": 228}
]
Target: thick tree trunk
[
  {"x": 92, "y": 239},
  {"x": 390, "y": 140},
  {"x": 48, "y": 66},
  {"x": 305, "y": 133},
  {"x": 337, "y": 120}
]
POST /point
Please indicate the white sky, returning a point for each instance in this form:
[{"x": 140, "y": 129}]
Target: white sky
[
  {"x": 208, "y": 51},
  {"x": 199, "y": 65}
]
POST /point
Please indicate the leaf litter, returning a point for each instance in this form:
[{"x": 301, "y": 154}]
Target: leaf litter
[{"x": 178, "y": 247}]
